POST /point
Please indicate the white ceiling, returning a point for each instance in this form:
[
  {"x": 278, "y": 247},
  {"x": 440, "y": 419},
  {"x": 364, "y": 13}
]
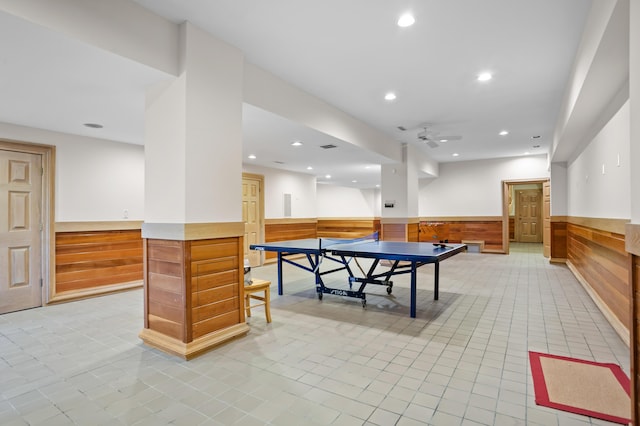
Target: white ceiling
[{"x": 348, "y": 53}]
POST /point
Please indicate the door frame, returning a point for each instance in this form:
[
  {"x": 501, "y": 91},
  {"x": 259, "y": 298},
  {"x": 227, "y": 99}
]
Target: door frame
[
  {"x": 259, "y": 178},
  {"x": 505, "y": 207},
  {"x": 48, "y": 154}
]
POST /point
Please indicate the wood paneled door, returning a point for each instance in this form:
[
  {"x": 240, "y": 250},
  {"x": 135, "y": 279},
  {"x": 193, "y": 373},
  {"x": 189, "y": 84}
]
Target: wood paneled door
[
  {"x": 20, "y": 231},
  {"x": 252, "y": 215},
  {"x": 529, "y": 216},
  {"x": 546, "y": 219}
]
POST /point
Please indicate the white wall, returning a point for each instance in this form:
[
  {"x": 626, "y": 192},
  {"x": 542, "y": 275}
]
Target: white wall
[
  {"x": 474, "y": 188},
  {"x": 339, "y": 201},
  {"x": 592, "y": 193},
  {"x": 96, "y": 179},
  {"x": 302, "y": 188}
]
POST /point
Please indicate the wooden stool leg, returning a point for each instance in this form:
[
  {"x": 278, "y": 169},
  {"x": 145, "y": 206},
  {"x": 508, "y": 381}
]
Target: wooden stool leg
[
  {"x": 267, "y": 303},
  {"x": 247, "y": 304}
]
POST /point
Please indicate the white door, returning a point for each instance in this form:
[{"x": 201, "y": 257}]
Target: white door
[{"x": 20, "y": 231}]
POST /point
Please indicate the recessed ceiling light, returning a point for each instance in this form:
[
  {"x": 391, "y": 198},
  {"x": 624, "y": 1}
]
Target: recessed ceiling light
[
  {"x": 504, "y": 133},
  {"x": 455, "y": 154},
  {"x": 253, "y": 157},
  {"x": 406, "y": 20},
  {"x": 354, "y": 181},
  {"x": 377, "y": 185},
  {"x": 390, "y": 96},
  {"x": 527, "y": 153},
  {"x": 309, "y": 168},
  {"x": 93, "y": 125},
  {"x": 296, "y": 143},
  {"x": 485, "y": 76},
  {"x": 327, "y": 176}
]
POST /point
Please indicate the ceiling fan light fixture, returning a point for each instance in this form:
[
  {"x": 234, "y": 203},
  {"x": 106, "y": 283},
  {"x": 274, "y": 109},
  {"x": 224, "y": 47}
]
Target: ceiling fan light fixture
[
  {"x": 485, "y": 76},
  {"x": 296, "y": 143},
  {"x": 406, "y": 20}
]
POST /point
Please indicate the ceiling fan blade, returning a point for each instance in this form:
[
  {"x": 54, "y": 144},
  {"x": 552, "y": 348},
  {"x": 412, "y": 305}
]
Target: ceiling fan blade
[
  {"x": 448, "y": 138},
  {"x": 432, "y": 144}
]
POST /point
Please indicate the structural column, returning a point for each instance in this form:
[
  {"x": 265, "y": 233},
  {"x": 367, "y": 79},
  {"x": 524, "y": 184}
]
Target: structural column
[
  {"x": 193, "y": 229},
  {"x": 399, "y": 194}
]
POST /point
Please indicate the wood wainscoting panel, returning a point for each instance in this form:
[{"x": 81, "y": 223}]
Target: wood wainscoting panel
[
  {"x": 165, "y": 296},
  {"x": 215, "y": 284},
  {"x": 288, "y": 229},
  {"x": 598, "y": 258},
  {"x": 433, "y": 231},
  {"x": 456, "y": 230},
  {"x": 89, "y": 260},
  {"x": 346, "y": 227},
  {"x": 394, "y": 232},
  {"x": 558, "y": 241},
  {"x": 632, "y": 245},
  {"x": 193, "y": 296},
  {"x": 413, "y": 232},
  {"x": 512, "y": 228}
]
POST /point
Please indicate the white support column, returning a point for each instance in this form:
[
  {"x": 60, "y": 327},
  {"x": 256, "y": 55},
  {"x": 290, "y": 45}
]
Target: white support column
[
  {"x": 193, "y": 201},
  {"x": 399, "y": 197}
]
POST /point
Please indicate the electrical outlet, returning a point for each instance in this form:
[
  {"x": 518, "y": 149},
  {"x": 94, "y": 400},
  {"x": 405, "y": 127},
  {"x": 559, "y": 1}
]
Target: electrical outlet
[{"x": 125, "y": 214}]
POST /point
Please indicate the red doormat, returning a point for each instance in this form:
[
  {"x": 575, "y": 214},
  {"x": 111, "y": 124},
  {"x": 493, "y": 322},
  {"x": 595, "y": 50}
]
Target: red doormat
[{"x": 583, "y": 387}]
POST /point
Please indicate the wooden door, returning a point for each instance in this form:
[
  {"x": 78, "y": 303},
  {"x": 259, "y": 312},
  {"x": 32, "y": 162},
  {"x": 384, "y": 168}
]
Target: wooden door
[
  {"x": 252, "y": 217},
  {"x": 546, "y": 218},
  {"x": 20, "y": 231},
  {"x": 528, "y": 216}
]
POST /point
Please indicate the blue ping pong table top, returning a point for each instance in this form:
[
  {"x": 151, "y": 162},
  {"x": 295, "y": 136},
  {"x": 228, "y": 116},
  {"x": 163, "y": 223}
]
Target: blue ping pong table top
[{"x": 393, "y": 250}]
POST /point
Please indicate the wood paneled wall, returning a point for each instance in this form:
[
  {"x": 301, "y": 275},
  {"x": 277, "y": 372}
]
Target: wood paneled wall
[
  {"x": 346, "y": 228},
  {"x": 558, "y": 241},
  {"x": 288, "y": 229},
  {"x": 215, "y": 285},
  {"x": 165, "y": 288},
  {"x": 456, "y": 231},
  {"x": 512, "y": 228},
  {"x": 91, "y": 260},
  {"x": 599, "y": 260},
  {"x": 192, "y": 287},
  {"x": 632, "y": 245}
]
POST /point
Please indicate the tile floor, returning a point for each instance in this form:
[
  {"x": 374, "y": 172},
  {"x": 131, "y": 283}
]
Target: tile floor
[{"x": 462, "y": 361}]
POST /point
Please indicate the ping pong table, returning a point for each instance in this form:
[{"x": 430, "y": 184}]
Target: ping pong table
[{"x": 404, "y": 258}]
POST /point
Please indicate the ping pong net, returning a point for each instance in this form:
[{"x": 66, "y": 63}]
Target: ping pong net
[{"x": 325, "y": 244}]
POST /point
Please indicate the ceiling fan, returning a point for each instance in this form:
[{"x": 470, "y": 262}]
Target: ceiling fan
[{"x": 433, "y": 139}]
